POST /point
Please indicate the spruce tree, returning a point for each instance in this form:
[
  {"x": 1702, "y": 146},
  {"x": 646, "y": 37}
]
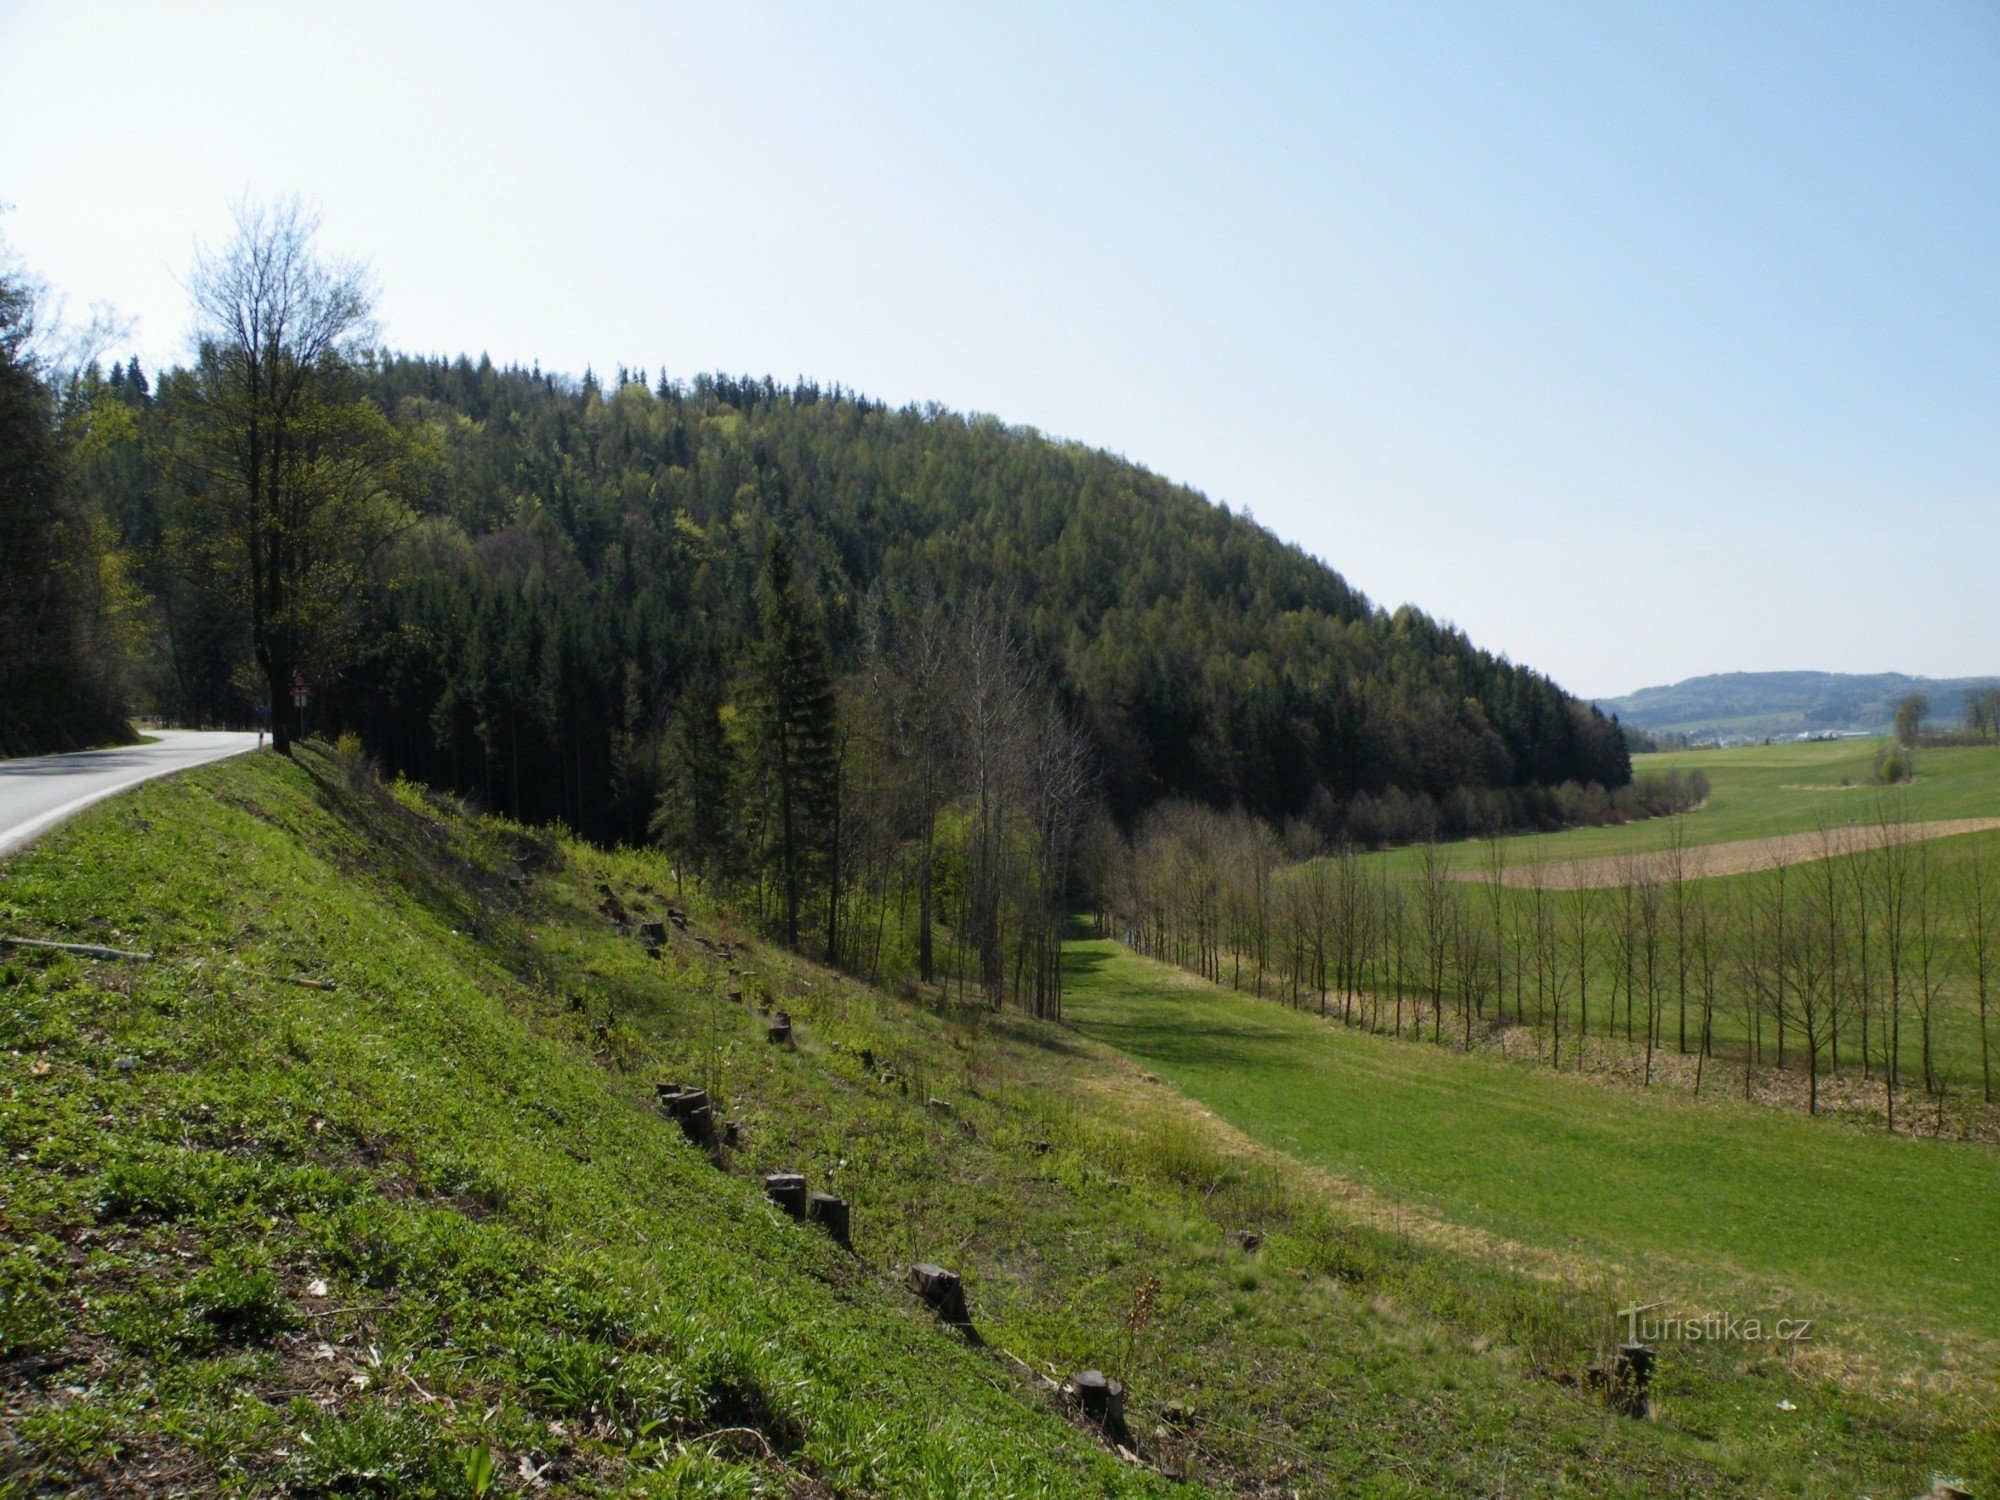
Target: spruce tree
[
  {"x": 793, "y": 685},
  {"x": 693, "y": 820}
]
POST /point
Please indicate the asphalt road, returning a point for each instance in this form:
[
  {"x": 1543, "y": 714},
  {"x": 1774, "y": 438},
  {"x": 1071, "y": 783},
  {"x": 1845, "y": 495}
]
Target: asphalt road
[{"x": 39, "y": 792}]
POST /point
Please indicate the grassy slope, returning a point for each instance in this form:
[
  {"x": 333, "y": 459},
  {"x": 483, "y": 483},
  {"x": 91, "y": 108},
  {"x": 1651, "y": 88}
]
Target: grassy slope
[
  {"x": 1711, "y": 1204},
  {"x": 265, "y": 1237},
  {"x": 192, "y": 1147}
]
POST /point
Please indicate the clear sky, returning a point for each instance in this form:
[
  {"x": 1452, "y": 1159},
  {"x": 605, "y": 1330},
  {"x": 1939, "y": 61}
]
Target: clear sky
[{"x": 1641, "y": 340}]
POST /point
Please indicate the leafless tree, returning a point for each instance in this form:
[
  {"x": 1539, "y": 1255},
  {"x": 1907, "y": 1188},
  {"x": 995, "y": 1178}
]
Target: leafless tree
[
  {"x": 1978, "y": 900},
  {"x": 289, "y": 474}
]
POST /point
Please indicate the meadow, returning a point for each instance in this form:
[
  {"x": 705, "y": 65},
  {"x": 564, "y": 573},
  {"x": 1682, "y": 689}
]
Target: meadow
[
  {"x": 1761, "y": 791},
  {"x": 1882, "y": 1228}
]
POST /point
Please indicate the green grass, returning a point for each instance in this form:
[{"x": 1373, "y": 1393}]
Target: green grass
[
  {"x": 424, "y": 1234},
  {"x": 1757, "y": 791},
  {"x": 1889, "y": 1241},
  {"x": 268, "y": 1237}
]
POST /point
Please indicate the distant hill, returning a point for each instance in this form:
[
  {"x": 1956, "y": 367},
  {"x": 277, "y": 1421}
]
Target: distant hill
[{"x": 1771, "y": 703}]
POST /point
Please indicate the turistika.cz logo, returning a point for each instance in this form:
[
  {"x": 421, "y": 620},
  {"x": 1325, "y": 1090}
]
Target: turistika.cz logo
[{"x": 1646, "y": 1324}]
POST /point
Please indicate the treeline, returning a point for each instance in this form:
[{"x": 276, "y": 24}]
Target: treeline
[
  {"x": 60, "y": 593},
  {"x": 1832, "y": 967},
  {"x": 1397, "y": 817}
]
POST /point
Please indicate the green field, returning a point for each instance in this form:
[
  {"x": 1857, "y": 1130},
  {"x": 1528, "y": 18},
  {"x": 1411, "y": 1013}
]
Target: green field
[
  {"x": 1882, "y": 1227},
  {"x": 1756, "y": 791}
]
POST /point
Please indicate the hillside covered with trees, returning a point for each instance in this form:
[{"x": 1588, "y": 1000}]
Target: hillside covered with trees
[
  {"x": 805, "y": 640},
  {"x": 59, "y": 589},
  {"x": 619, "y": 531}
]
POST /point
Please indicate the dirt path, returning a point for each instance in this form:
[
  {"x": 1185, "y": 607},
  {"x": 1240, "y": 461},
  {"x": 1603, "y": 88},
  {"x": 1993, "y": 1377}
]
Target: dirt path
[{"x": 1744, "y": 857}]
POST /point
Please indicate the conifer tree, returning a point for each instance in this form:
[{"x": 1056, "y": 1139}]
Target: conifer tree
[
  {"x": 693, "y": 820},
  {"x": 795, "y": 744}
]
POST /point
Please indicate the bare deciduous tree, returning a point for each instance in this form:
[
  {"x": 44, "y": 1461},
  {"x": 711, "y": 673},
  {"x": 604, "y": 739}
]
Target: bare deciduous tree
[{"x": 290, "y": 474}]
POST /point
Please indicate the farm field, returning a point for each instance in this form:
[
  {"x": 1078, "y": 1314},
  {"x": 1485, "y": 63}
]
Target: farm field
[
  {"x": 1682, "y": 1197},
  {"x": 1760, "y": 791}
]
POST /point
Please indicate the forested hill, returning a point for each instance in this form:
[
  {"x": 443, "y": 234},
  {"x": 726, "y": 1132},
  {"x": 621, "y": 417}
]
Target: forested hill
[
  {"x": 1758, "y": 703},
  {"x": 589, "y": 550}
]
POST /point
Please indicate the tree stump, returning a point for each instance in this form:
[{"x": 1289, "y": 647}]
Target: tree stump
[
  {"x": 1100, "y": 1399},
  {"x": 690, "y": 1106},
  {"x": 788, "y": 1191},
  {"x": 868, "y": 1059},
  {"x": 831, "y": 1214},
  {"x": 1248, "y": 1239},
  {"x": 1624, "y": 1379},
  {"x": 653, "y": 934},
  {"x": 779, "y": 1029},
  {"x": 941, "y": 1292}
]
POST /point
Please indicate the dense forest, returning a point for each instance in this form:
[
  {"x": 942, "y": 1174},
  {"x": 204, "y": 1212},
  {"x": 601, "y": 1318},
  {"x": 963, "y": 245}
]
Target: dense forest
[
  {"x": 594, "y": 549},
  {"x": 59, "y": 589},
  {"x": 786, "y": 629}
]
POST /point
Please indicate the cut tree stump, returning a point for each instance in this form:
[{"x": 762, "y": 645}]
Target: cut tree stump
[
  {"x": 690, "y": 1106},
  {"x": 831, "y": 1214},
  {"x": 653, "y": 934},
  {"x": 1100, "y": 1399},
  {"x": 1624, "y": 1379},
  {"x": 780, "y": 1028},
  {"x": 788, "y": 1191},
  {"x": 942, "y": 1292}
]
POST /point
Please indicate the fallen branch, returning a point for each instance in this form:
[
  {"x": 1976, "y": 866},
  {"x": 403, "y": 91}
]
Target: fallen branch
[
  {"x": 86, "y": 950},
  {"x": 306, "y": 984}
]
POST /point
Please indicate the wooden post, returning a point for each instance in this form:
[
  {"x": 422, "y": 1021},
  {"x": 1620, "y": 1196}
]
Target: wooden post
[
  {"x": 942, "y": 1293},
  {"x": 788, "y": 1191},
  {"x": 831, "y": 1214}
]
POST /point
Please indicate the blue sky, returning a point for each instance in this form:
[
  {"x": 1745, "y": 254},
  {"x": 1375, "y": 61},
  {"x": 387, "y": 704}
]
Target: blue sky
[{"x": 1640, "y": 340}]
